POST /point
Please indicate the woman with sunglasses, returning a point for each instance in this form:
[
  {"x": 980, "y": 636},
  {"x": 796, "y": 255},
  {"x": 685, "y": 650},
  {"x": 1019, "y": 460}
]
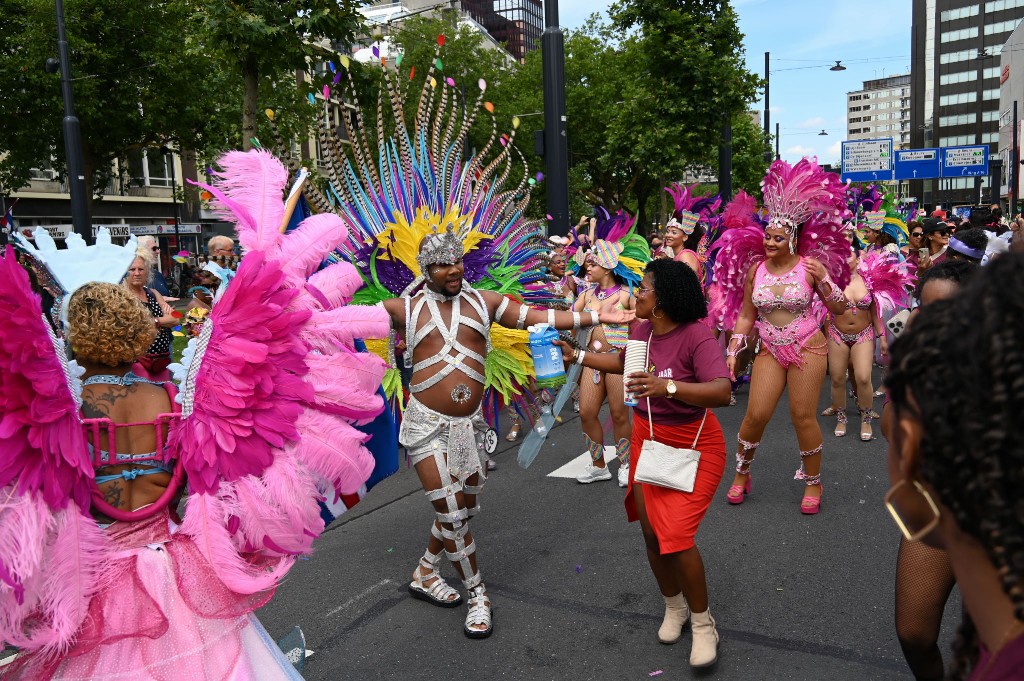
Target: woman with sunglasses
[
  {"x": 687, "y": 377},
  {"x": 957, "y": 472},
  {"x": 936, "y": 237},
  {"x": 771, "y": 275}
]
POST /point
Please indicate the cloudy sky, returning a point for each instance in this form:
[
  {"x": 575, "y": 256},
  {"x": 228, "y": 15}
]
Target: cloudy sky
[{"x": 805, "y": 37}]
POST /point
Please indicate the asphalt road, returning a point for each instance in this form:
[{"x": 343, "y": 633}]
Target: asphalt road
[{"x": 795, "y": 597}]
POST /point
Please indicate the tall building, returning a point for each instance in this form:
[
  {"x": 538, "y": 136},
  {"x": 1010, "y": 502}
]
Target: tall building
[
  {"x": 515, "y": 24},
  {"x": 880, "y": 109},
  {"x": 955, "y": 85},
  {"x": 1011, "y": 96}
]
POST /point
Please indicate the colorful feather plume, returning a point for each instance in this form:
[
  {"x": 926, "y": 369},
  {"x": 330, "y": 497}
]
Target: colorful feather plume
[{"x": 394, "y": 184}]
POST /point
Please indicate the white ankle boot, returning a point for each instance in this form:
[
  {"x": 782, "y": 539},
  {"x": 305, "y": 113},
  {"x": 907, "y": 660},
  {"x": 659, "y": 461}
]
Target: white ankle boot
[
  {"x": 704, "y": 651},
  {"x": 676, "y": 614}
]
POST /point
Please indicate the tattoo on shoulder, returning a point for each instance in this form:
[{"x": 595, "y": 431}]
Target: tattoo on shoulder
[{"x": 99, "y": 402}]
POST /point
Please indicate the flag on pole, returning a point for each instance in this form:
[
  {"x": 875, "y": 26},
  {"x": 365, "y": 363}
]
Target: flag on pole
[{"x": 7, "y": 223}]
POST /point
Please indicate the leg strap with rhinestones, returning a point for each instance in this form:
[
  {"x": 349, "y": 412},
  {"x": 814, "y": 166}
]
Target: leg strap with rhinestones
[
  {"x": 801, "y": 474},
  {"x": 596, "y": 449},
  {"x": 622, "y": 451},
  {"x": 742, "y": 462}
]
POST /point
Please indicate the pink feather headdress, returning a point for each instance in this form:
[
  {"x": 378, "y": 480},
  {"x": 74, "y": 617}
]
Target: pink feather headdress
[
  {"x": 794, "y": 194},
  {"x": 805, "y": 201}
]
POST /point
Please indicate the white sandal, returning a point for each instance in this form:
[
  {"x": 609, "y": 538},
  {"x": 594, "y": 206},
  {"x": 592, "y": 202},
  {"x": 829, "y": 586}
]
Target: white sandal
[
  {"x": 439, "y": 593},
  {"x": 479, "y": 613}
]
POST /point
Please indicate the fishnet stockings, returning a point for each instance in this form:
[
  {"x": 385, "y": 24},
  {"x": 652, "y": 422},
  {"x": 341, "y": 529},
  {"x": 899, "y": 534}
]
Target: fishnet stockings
[
  {"x": 592, "y": 396},
  {"x": 924, "y": 580},
  {"x": 767, "y": 382}
]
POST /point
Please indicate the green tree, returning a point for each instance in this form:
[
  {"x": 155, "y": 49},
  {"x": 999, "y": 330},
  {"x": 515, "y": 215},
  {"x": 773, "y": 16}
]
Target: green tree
[
  {"x": 691, "y": 51},
  {"x": 138, "y": 82},
  {"x": 265, "y": 42}
]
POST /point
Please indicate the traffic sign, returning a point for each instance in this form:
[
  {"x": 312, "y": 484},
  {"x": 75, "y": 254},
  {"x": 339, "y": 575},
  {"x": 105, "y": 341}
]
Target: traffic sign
[
  {"x": 918, "y": 164},
  {"x": 969, "y": 161},
  {"x": 867, "y": 160}
]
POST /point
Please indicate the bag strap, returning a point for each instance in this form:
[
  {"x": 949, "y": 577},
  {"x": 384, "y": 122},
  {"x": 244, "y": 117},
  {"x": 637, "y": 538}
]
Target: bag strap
[
  {"x": 647, "y": 363},
  {"x": 650, "y": 418},
  {"x": 702, "y": 422}
]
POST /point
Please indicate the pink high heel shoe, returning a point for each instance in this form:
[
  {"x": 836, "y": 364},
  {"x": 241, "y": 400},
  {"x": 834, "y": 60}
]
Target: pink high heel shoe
[
  {"x": 810, "y": 505},
  {"x": 737, "y": 493}
]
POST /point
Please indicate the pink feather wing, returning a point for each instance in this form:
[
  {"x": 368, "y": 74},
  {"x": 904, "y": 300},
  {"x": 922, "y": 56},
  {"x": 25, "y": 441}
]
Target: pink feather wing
[
  {"x": 42, "y": 447},
  {"x": 888, "y": 279},
  {"x": 254, "y": 180},
  {"x": 249, "y": 390}
]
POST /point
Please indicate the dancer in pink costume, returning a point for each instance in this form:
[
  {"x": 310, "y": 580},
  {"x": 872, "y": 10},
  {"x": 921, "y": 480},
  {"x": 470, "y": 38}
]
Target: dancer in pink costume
[
  {"x": 878, "y": 284},
  {"x": 769, "y": 276},
  {"x": 92, "y": 586}
]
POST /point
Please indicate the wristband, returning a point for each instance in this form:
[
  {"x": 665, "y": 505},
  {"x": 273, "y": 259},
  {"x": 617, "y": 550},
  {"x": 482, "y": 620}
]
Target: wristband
[
  {"x": 834, "y": 295},
  {"x": 579, "y": 356},
  {"x": 551, "y": 318},
  {"x": 576, "y": 321},
  {"x": 730, "y": 352},
  {"x": 595, "y": 318}
]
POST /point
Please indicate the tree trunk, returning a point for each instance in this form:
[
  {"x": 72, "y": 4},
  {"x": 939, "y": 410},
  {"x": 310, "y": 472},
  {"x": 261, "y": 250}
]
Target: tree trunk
[
  {"x": 250, "y": 76},
  {"x": 643, "y": 228}
]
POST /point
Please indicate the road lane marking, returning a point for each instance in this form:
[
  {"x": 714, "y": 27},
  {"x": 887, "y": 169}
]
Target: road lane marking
[
  {"x": 579, "y": 464},
  {"x": 360, "y": 596}
]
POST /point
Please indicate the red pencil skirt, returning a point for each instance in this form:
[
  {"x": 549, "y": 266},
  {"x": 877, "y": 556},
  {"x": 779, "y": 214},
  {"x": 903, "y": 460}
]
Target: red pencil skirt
[{"x": 675, "y": 516}]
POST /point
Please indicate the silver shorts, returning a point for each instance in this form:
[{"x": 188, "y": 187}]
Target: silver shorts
[{"x": 456, "y": 440}]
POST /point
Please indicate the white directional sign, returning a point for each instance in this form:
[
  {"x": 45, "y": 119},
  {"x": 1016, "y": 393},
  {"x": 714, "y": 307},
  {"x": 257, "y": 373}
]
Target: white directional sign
[{"x": 866, "y": 160}]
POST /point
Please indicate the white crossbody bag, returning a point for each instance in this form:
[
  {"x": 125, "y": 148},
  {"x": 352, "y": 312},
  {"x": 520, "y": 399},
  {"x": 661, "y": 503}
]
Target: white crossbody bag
[{"x": 663, "y": 465}]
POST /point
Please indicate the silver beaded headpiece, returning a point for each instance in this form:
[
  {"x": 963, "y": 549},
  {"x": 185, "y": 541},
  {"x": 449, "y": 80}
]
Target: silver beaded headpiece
[{"x": 439, "y": 249}]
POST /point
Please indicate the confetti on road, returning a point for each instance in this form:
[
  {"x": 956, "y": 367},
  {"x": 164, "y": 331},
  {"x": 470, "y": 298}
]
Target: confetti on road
[
  {"x": 656, "y": 672},
  {"x": 391, "y": 550},
  {"x": 579, "y": 569}
]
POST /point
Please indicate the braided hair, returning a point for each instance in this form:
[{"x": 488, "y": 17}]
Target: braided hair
[
  {"x": 677, "y": 290},
  {"x": 961, "y": 360}
]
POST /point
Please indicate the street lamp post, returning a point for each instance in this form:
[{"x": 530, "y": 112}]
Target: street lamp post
[
  {"x": 72, "y": 136},
  {"x": 767, "y": 111},
  {"x": 556, "y": 147}
]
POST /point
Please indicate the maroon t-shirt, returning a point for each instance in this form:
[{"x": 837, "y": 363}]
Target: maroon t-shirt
[{"x": 687, "y": 354}]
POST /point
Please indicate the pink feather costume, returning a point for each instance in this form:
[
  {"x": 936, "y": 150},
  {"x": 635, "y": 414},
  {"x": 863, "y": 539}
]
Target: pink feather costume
[
  {"x": 812, "y": 202},
  {"x": 266, "y": 422}
]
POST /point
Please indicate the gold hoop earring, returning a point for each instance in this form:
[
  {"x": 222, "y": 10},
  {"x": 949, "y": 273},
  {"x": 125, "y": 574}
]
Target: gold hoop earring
[
  {"x": 656, "y": 316},
  {"x": 923, "y": 493}
]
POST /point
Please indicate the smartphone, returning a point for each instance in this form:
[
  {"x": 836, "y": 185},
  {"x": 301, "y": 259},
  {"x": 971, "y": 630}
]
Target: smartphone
[{"x": 922, "y": 253}]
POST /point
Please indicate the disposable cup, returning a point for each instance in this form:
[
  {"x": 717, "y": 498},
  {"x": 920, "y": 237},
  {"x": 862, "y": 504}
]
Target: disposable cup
[{"x": 636, "y": 358}]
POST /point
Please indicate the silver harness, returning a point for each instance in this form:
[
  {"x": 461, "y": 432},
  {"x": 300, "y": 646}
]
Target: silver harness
[{"x": 449, "y": 334}]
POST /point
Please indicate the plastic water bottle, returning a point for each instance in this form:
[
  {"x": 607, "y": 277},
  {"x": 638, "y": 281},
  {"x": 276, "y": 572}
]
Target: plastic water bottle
[{"x": 547, "y": 357}]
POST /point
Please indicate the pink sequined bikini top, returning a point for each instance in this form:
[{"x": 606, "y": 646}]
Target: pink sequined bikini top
[
  {"x": 862, "y": 304},
  {"x": 795, "y": 297}
]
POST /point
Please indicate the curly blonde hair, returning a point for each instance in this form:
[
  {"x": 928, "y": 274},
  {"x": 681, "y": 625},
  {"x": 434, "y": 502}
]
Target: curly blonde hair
[{"x": 109, "y": 325}]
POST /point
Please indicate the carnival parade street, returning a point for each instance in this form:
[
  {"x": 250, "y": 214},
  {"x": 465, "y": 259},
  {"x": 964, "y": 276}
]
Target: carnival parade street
[{"x": 796, "y": 597}]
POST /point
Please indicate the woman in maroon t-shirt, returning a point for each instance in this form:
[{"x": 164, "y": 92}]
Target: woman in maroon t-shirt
[{"x": 687, "y": 375}]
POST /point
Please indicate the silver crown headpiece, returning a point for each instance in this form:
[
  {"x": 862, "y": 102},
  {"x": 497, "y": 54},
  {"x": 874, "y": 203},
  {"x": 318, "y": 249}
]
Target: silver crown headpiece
[{"x": 439, "y": 248}]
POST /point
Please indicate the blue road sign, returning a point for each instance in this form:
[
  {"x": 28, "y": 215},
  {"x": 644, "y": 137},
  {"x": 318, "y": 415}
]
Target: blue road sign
[
  {"x": 918, "y": 164},
  {"x": 867, "y": 160},
  {"x": 969, "y": 161}
]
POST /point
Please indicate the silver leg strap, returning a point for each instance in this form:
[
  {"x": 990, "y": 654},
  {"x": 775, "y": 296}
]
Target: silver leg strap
[
  {"x": 473, "y": 491},
  {"x": 430, "y": 560}
]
